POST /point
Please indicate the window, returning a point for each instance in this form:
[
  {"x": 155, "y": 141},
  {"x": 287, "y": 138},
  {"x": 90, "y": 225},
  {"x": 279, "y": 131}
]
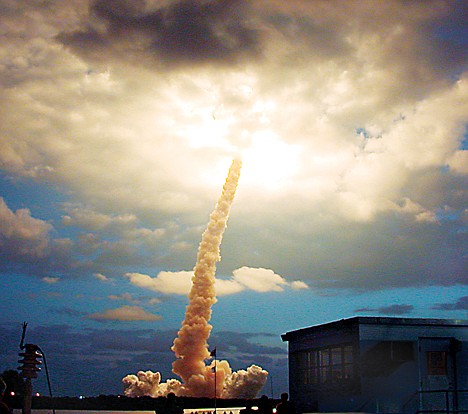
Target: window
[
  {"x": 401, "y": 351},
  {"x": 381, "y": 358},
  {"x": 436, "y": 363},
  {"x": 326, "y": 366}
]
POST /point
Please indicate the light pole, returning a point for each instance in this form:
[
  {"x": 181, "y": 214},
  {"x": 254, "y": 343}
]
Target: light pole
[{"x": 271, "y": 386}]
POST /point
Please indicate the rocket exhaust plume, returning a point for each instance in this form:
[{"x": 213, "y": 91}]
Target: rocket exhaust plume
[{"x": 191, "y": 345}]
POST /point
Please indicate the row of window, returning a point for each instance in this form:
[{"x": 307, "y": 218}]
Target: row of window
[
  {"x": 325, "y": 366},
  {"x": 334, "y": 365}
]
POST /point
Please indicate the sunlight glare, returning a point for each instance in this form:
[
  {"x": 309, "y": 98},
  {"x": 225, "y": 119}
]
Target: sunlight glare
[{"x": 269, "y": 163}]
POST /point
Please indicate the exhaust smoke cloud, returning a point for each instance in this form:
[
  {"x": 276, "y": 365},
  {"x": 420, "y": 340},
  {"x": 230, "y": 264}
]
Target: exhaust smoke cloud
[{"x": 191, "y": 345}]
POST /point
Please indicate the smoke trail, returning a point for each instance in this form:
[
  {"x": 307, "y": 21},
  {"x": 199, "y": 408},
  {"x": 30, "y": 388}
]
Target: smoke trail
[{"x": 191, "y": 346}]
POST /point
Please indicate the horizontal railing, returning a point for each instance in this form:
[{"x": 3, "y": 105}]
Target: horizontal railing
[{"x": 438, "y": 401}]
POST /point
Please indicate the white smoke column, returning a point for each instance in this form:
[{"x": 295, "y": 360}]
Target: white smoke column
[{"x": 191, "y": 347}]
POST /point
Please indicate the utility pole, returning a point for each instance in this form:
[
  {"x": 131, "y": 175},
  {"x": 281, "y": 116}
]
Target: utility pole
[
  {"x": 271, "y": 385},
  {"x": 27, "y": 397}
]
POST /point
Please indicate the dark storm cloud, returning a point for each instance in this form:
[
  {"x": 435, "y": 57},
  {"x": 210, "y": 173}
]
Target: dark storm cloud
[
  {"x": 181, "y": 33},
  {"x": 450, "y": 37},
  {"x": 320, "y": 39},
  {"x": 389, "y": 310},
  {"x": 460, "y": 304}
]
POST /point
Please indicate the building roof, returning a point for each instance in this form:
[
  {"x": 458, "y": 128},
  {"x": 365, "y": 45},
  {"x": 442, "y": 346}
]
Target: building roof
[{"x": 374, "y": 320}]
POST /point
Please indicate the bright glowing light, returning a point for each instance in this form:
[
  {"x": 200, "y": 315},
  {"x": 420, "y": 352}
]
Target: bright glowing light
[
  {"x": 207, "y": 135},
  {"x": 269, "y": 163}
]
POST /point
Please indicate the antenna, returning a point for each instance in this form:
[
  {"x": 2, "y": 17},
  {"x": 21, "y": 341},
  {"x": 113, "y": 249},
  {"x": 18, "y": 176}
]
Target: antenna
[{"x": 25, "y": 325}]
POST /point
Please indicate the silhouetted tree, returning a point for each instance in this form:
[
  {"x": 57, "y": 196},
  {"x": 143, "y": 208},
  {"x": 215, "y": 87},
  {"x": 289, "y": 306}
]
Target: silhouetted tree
[{"x": 14, "y": 382}]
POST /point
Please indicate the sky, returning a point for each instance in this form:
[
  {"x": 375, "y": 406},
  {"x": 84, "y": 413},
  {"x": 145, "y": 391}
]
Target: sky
[{"x": 119, "y": 121}]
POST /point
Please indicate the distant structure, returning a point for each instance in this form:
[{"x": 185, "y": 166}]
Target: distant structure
[{"x": 380, "y": 365}]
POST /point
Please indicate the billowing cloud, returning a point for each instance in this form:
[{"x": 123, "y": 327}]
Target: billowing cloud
[
  {"x": 179, "y": 283},
  {"x": 353, "y": 144},
  {"x": 350, "y": 120},
  {"x": 91, "y": 220},
  {"x": 165, "y": 282},
  {"x": 124, "y": 313},
  {"x": 21, "y": 234},
  {"x": 259, "y": 280},
  {"x": 170, "y": 33}
]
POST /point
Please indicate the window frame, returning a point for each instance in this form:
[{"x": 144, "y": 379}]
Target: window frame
[
  {"x": 331, "y": 365},
  {"x": 437, "y": 363}
]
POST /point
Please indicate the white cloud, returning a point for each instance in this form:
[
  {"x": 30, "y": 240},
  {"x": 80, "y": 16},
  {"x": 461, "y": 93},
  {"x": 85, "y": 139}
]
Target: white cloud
[
  {"x": 429, "y": 132},
  {"x": 417, "y": 211},
  {"x": 245, "y": 278},
  {"x": 92, "y": 220},
  {"x": 458, "y": 162},
  {"x": 125, "y": 313},
  {"x": 339, "y": 122},
  {"x": 228, "y": 287},
  {"x": 165, "y": 282},
  {"x": 127, "y": 297},
  {"x": 299, "y": 285},
  {"x": 124, "y": 226},
  {"x": 101, "y": 277},
  {"x": 21, "y": 234},
  {"x": 259, "y": 280},
  {"x": 50, "y": 280}
]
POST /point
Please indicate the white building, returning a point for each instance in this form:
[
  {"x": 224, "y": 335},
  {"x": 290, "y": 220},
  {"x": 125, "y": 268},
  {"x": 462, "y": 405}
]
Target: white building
[{"x": 377, "y": 364}]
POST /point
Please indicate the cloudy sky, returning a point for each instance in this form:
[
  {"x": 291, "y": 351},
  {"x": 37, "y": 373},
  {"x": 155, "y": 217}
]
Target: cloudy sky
[{"x": 119, "y": 120}]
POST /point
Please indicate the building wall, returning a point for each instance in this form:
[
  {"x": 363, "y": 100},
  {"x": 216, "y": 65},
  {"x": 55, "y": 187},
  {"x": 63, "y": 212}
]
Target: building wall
[
  {"x": 389, "y": 365},
  {"x": 388, "y": 374},
  {"x": 428, "y": 337},
  {"x": 307, "y": 391}
]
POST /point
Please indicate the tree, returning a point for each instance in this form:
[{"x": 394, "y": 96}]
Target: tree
[{"x": 14, "y": 382}]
